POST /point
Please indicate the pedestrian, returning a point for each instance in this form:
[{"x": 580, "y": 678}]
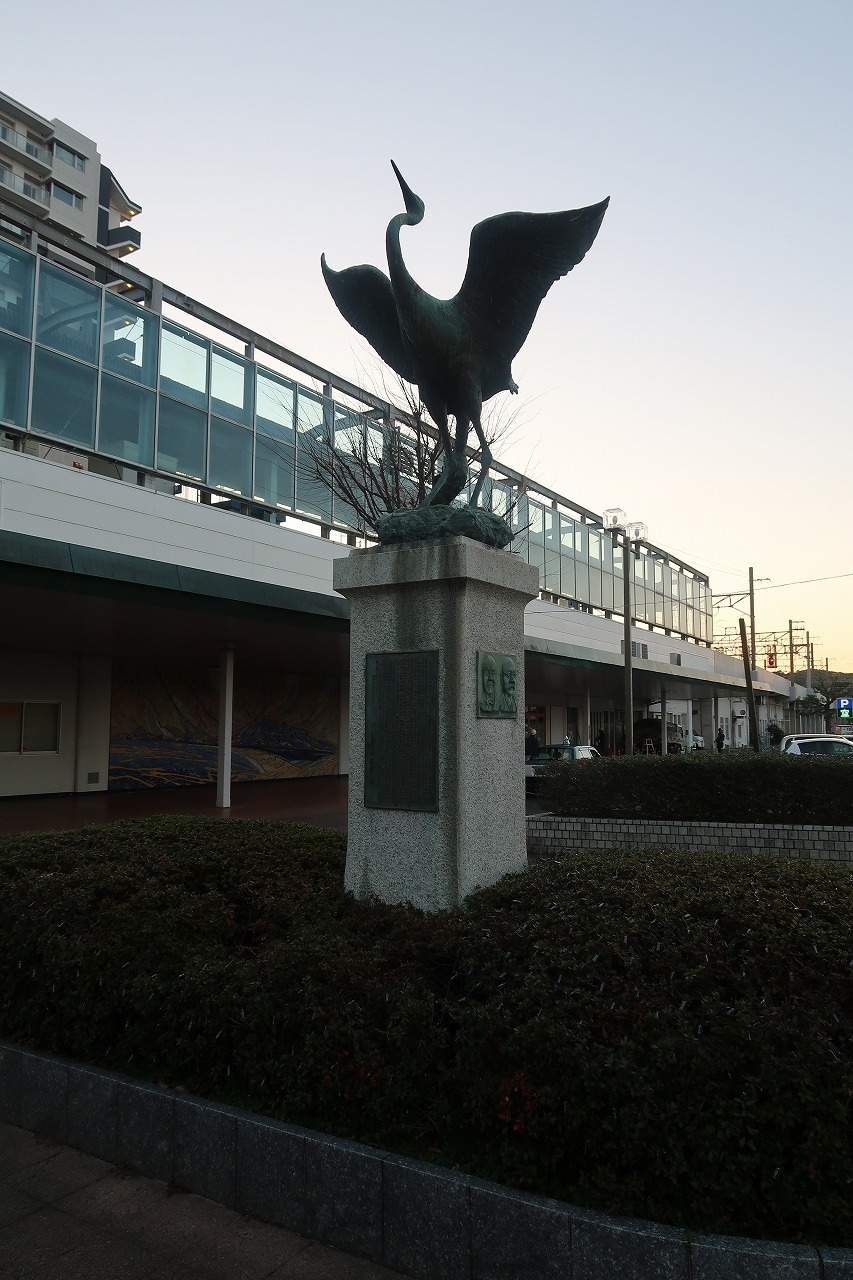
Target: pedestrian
[
  {"x": 600, "y": 742},
  {"x": 720, "y": 739}
]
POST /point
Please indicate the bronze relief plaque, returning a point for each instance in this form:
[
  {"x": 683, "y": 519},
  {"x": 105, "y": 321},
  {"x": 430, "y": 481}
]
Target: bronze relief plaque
[
  {"x": 497, "y": 677},
  {"x": 401, "y": 731}
]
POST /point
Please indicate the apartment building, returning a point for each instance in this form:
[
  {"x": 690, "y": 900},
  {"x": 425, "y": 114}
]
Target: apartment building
[{"x": 52, "y": 172}]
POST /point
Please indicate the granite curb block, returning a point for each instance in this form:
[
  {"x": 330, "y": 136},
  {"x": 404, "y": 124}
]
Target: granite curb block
[
  {"x": 547, "y": 833},
  {"x": 425, "y": 1221}
]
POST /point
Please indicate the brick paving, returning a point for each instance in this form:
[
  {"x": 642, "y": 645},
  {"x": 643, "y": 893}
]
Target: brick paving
[{"x": 68, "y": 1216}]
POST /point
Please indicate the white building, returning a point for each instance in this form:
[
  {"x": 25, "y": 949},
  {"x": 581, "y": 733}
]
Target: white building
[
  {"x": 54, "y": 174},
  {"x": 159, "y": 522}
]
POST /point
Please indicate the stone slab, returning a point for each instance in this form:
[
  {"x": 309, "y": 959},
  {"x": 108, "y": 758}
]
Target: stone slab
[
  {"x": 514, "y": 1235},
  {"x": 93, "y": 1113},
  {"x": 343, "y": 1196},
  {"x": 270, "y": 1176},
  {"x": 204, "y": 1150},
  {"x": 734, "y": 1258},
  {"x": 44, "y": 1095},
  {"x": 425, "y": 1220},
  {"x": 145, "y": 1130},
  {"x": 605, "y": 1247}
]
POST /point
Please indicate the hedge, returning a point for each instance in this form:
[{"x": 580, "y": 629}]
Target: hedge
[
  {"x": 734, "y": 786},
  {"x": 653, "y": 1034}
]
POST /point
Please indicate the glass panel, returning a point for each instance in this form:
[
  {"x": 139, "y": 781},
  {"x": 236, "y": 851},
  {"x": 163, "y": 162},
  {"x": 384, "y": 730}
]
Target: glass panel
[
  {"x": 567, "y": 576},
  {"x": 41, "y": 726},
  {"x": 567, "y": 533},
  {"x": 11, "y": 719},
  {"x": 231, "y": 386},
  {"x": 274, "y": 468},
  {"x": 126, "y": 421},
  {"x": 552, "y": 571},
  {"x": 274, "y": 412},
  {"x": 64, "y": 399},
  {"x": 536, "y": 556},
  {"x": 667, "y": 612},
  {"x": 617, "y": 564},
  {"x": 659, "y": 614},
  {"x": 607, "y": 591},
  {"x": 581, "y": 544},
  {"x": 230, "y": 457},
  {"x": 17, "y": 272},
  {"x": 130, "y": 341},
  {"x": 536, "y": 516},
  {"x": 607, "y": 552},
  {"x": 69, "y": 313},
  {"x": 181, "y": 440},
  {"x": 312, "y": 496},
  {"x": 14, "y": 379},
  {"x": 582, "y": 582},
  {"x": 183, "y": 365},
  {"x": 595, "y": 587},
  {"x": 594, "y": 547}
]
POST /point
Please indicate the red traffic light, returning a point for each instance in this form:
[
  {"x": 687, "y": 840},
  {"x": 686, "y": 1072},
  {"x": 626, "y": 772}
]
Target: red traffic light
[{"x": 771, "y": 657}]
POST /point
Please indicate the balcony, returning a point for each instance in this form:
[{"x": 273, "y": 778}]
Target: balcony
[
  {"x": 25, "y": 191},
  {"x": 122, "y": 240},
  {"x": 18, "y": 145}
]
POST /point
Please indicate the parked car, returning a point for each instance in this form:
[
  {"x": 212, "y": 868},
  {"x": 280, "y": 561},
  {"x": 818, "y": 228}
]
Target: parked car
[
  {"x": 534, "y": 765},
  {"x": 797, "y": 737},
  {"x": 827, "y": 745}
]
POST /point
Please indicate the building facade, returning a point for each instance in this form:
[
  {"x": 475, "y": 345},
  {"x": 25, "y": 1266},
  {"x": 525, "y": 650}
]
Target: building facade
[
  {"x": 55, "y": 174},
  {"x": 161, "y": 525}
]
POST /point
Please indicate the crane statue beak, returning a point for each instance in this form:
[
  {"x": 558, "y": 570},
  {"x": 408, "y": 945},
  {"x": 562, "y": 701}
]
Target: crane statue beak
[{"x": 414, "y": 204}]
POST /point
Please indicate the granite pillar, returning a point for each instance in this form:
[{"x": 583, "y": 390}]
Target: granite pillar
[{"x": 436, "y": 807}]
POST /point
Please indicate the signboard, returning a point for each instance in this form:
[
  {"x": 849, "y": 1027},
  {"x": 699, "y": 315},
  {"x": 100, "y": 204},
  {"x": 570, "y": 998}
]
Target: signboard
[
  {"x": 401, "y": 731},
  {"x": 843, "y": 708}
]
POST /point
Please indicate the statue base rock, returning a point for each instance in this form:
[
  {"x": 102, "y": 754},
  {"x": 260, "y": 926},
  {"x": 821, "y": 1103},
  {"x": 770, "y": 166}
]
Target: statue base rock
[{"x": 416, "y": 524}]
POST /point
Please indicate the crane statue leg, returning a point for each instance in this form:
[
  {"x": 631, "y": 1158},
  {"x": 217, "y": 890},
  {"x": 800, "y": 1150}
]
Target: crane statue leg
[
  {"x": 452, "y": 479},
  {"x": 485, "y": 457}
]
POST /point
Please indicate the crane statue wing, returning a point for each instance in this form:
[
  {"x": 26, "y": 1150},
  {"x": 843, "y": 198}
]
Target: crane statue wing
[
  {"x": 364, "y": 298},
  {"x": 513, "y": 260}
]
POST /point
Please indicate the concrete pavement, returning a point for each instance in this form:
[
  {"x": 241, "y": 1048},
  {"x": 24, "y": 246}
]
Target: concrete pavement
[{"x": 68, "y": 1216}]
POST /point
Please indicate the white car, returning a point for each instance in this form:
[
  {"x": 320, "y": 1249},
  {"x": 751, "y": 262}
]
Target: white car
[
  {"x": 534, "y": 765},
  {"x": 817, "y": 745}
]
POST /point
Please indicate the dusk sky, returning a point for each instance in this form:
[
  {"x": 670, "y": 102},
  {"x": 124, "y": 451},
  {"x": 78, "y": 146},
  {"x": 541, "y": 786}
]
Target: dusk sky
[{"x": 696, "y": 369}]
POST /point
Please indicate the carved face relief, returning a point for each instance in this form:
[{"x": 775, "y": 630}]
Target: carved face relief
[{"x": 497, "y": 678}]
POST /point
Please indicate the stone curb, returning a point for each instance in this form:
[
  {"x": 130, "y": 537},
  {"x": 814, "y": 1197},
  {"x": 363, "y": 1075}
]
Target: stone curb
[
  {"x": 413, "y": 1217},
  {"x": 547, "y": 833}
]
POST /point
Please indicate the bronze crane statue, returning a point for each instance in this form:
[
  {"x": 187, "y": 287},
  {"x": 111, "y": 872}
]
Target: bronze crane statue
[{"x": 458, "y": 351}]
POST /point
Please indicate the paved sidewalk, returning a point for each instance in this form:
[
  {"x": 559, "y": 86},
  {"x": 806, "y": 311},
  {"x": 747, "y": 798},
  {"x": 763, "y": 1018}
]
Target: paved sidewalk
[{"x": 68, "y": 1216}]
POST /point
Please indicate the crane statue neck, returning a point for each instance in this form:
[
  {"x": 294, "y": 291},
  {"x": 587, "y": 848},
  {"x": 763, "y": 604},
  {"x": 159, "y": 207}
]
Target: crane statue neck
[{"x": 404, "y": 286}]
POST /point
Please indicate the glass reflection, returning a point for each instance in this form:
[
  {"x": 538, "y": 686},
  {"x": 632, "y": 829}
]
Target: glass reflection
[
  {"x": 275, "y": 401},
  {"x": 14, "y": 380},
  {"x": 126, "y": 421},
  {"x": 64, "y": 399},
  {"x": 183, "y": 365},
  {"x": 275, "y": 464},
  {"x": 17, "y": 272},
  {"x": 181, "y": 439},
  {"x": 230, "y": 464},
  {"x": 130, "y": 341},
  {"x": 231, "y": 386},
  {"x": 69, "y": 313}
]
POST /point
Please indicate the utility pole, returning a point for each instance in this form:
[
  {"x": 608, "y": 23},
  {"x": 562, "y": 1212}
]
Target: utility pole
[
  {"x": 751, "y": 619},
  {"x": 750, "y": 692},
  {"x": 808, "y": 663},
  {"x": 627, "y": 570},
  {"x": 792, "y": 692}
]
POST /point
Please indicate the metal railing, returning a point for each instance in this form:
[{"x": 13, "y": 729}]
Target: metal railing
[
  {"x": 24, "y": 188},
  {"x": 25, "y": 145}
]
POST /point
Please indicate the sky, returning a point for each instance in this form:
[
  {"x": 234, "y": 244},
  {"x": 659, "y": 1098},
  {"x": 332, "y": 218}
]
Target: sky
[{"x": 696, "y": 369}]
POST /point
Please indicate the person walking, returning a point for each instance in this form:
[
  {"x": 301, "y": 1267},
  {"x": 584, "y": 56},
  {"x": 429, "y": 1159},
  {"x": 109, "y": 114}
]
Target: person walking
[{"x": 720, "y": 739}]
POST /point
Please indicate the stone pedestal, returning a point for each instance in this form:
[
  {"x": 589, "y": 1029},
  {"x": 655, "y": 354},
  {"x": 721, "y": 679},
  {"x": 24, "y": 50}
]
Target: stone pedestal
[{"x": 436, "y": 792}]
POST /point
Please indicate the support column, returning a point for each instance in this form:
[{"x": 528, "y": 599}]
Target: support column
[
  {"x": 664, "y": 740},
  {"x": 586, "y": 729},
  {"x": 689, "y": 724},
  {"x": 226, "y": 722}
]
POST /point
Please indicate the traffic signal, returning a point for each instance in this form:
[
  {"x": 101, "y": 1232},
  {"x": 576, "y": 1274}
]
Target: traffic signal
[{"x": 771, "y": 656}]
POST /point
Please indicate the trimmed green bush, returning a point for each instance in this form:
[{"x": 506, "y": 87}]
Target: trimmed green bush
[
  {"x": 653, "y": 1034},
  {"x": 735, "y": 786}
]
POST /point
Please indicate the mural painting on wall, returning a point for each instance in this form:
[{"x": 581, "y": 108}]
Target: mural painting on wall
[{"x": 164, "y": 724}]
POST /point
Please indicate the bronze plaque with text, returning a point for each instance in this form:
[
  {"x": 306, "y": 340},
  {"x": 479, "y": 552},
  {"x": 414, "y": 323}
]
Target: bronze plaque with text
[{"x": 401, "y": 731}]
